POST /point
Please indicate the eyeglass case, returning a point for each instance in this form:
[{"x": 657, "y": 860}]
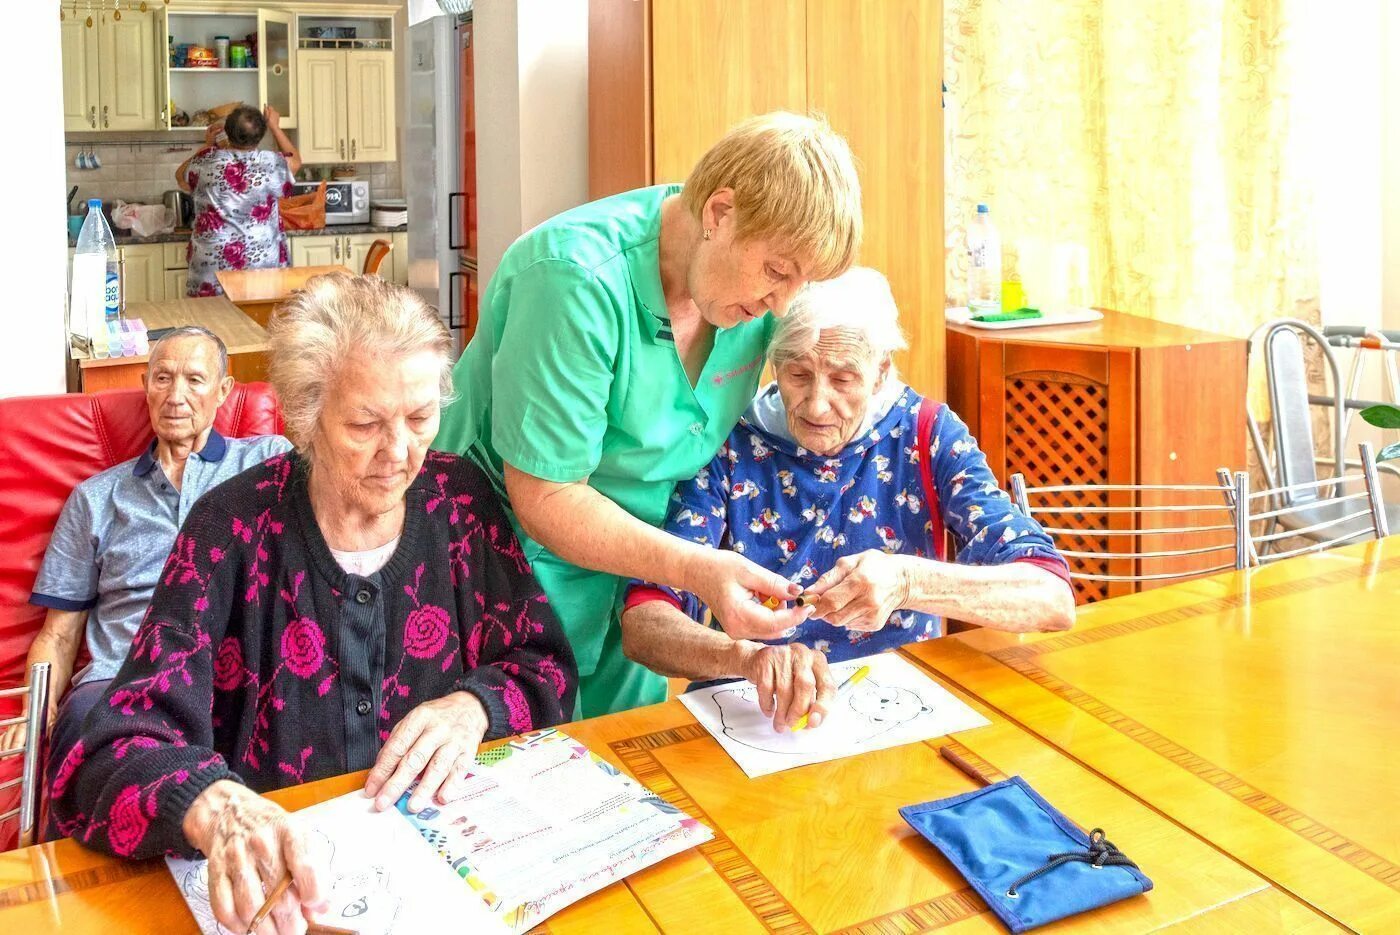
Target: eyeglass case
[{"x": 1004, "y": 833}]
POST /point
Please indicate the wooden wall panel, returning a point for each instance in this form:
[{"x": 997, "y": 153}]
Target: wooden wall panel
[
  {"x": 619, "y": 96},
  {"x": 715, "y": 62},
  {"x": 875, "y": 70}
]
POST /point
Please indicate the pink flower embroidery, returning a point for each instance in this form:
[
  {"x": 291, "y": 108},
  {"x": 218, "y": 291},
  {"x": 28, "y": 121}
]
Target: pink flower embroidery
[
  {"x": 261, "y": 212},
  {"x": 517, "y": 708},
  {"x": 208, "y": 221},
  {"x": 206, "y": 289},
  {"x": 228, "y": 665},
  {"x": 303, "y": 647},
  {"x": 287, "y": 189},
  {"x": 236, "y": 176},
  {"x": 283, "y": 256},
  {"x": 127, "y": 823},
  {"x": 234, "y": 255},
  {"x": 425, "y": 632},
  {"x": 66, "y": 769}
]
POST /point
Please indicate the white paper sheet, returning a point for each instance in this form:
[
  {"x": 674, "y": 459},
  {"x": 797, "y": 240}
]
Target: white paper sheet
[{"x": 896, "y": 704}]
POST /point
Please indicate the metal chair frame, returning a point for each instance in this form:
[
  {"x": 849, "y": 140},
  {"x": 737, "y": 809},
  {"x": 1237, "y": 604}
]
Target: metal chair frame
[
  {"x": 1237, "y": 487},
  {"x": 1344, "y": 404},
  {"x": 35, "y": 744},
  {"x": 1369, "y": 479}
]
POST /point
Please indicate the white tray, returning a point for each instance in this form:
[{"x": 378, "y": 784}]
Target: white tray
[{"x": 1075, "y": 316}]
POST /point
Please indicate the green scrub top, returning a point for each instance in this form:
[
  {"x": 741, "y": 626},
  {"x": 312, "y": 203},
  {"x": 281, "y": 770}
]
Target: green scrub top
[{"x": 573, "y": 373}]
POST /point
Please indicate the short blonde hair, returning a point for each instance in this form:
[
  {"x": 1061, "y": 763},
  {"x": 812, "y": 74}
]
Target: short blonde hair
[
  {"x": 333, "y": 318},
  {"x": 858, "y": 301},
  {"x": 794, "y": 181}
]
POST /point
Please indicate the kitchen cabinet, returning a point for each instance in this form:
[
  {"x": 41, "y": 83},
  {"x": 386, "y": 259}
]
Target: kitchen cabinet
[
  {"x": 176, "y": 283},
  {"x": 144, "y": 273},
  {"x": 345, "y": 101},
  {"x": 400, "y": 257},
  {"x": 110, "y": 70},
  {"x": 80, "y": 80},
  {"x": 317, "y": 251},
  {"x": 873, "y": 69},
  {"x": 350, "y": 250}
]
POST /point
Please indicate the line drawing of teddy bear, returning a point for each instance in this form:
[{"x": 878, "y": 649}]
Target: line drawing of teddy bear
[{"x": 879, "y": 709}]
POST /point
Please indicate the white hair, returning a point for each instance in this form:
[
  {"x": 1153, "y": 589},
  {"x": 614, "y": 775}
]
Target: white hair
[{"x": 858, "y": 301}]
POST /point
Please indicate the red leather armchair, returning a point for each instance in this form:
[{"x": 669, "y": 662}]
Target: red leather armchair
[{"x": 48, "y": 444}]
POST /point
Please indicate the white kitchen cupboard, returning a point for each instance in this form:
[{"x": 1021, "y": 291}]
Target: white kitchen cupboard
[
  {"x": 317, "y": 251},
  {"x": 177, "y": 283},
  {"x": 143, "y": 268},
  {"x": 345, "y": 105},
  {"x": 110, "y": 70},
  {"x": 400, "y": 257},
  {"x": 80, "y": 88}
]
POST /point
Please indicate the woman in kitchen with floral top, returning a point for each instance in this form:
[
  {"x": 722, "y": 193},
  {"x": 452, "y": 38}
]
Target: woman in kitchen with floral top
[{"x": 235, "y": 187}]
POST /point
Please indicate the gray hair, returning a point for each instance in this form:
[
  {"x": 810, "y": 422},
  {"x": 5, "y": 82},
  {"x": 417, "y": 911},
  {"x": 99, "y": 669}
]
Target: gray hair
[
  {"x": 857, "y": 301},
  {"x": 334, "y": 317},
  {"x": 191, "y": 331}
]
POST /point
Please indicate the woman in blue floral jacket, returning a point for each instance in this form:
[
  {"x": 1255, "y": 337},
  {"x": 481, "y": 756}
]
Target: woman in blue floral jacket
[{"x": 843, "y": 479}]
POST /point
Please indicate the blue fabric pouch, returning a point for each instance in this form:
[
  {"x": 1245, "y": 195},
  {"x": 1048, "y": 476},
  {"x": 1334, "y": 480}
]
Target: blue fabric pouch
[{"x": 1029, "y": 863}]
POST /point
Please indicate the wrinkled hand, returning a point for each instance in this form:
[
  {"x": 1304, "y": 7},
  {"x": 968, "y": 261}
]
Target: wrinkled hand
[
  {"x": 733, "y": 587},
  {"x": 861, "y": 591},
  {"x": 273, "y": 118},
  {"x": 436, "y": 740},
  {"x": 211, "y": 133},
  {"x": 792, "y": 680},
  {"x": 251, "y": 842}
]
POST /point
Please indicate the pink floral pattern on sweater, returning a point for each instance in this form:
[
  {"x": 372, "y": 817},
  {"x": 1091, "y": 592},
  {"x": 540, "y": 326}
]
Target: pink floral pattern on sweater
[{"x": 237, "y": 670}]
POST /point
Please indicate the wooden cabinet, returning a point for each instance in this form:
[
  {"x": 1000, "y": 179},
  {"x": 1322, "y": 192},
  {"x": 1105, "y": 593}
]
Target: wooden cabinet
[
  {"x": 400, "y": 257},
  {"x": 713, "y": 64},
  {"x": 357, "y": 248},
  {"x": 80, "y": 74},
  {"x": 1124, "y": 401},
  {"x": 667, "y": 78},
  {"x": 110, "y": 70},
  {"x": 369, "y": 106},
  {"x": 345, "y": 102},
  {"x": 143, "y": 268},
  {"x": 177, "y": 283},
  {"x": 317, "y": 251}
]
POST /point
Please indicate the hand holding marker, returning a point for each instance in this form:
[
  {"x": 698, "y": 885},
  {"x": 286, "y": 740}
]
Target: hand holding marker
[{"x": 856, "y": 678}]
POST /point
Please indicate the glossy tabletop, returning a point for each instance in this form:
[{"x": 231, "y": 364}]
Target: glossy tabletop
[
  {"x": 1260, "y": 709},
  {"x": 269, "y": 285},
  {"x": 816, "y": 849}
]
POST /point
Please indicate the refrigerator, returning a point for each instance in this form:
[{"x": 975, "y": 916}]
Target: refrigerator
[{"x": 440, "y": 169}]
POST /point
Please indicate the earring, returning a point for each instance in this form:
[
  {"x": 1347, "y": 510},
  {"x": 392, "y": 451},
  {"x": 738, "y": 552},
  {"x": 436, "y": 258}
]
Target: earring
[{"x": 708, "y": 232}]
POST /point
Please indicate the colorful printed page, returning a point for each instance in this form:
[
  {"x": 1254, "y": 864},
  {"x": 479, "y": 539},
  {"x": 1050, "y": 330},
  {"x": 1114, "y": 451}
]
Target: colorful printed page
[
  {"x": 896, "y": 704},
  {"x": 383, "y": 880},
  {"x": 545, "y": 822}
]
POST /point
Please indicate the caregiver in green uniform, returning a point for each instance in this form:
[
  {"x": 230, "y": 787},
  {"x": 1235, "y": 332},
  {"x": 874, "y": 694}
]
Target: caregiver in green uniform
[{"x": 619, "y": 343}]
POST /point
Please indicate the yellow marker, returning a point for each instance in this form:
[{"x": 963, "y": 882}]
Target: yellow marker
[
  {"x": 856, "y": 678},
  {"x": 801, "y": 601}
]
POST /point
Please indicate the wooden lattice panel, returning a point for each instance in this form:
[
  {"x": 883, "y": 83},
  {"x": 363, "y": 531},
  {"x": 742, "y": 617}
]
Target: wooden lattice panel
[{"x": 1057, "y": 433}]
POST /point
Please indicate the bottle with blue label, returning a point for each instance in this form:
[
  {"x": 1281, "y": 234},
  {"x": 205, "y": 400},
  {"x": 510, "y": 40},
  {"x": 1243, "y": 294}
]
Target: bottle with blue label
[
  {"x": 95, "y": 291},
  {"x": 983, "y": 265}
]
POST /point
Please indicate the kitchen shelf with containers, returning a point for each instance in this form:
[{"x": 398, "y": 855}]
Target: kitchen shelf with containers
[{"x": 218, "y": 58}]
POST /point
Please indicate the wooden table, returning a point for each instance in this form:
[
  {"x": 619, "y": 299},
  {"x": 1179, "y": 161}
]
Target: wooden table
[
  {"x": 820, "y": 848},
  {"x": 1260, "y": 709},
  {"x": 258, "y": 291},
  {"x": 246, "y": 341}
]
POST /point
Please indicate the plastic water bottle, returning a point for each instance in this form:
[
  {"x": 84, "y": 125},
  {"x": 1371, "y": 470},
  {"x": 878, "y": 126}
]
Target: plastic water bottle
[
  {"x": 95, "y": 292},
  {"x": 984, "y": 265}
]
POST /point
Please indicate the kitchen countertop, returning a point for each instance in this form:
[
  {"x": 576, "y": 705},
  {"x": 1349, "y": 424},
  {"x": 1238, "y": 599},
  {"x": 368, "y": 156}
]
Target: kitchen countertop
[{"x": 182, "y": 235}]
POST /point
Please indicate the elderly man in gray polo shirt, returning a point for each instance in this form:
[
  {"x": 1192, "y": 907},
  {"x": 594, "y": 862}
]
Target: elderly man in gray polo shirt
[{"x": 117, "y": 528}]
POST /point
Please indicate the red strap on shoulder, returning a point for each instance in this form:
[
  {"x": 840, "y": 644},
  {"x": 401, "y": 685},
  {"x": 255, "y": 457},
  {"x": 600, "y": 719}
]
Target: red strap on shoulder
[{"x": 928, "y": 414}]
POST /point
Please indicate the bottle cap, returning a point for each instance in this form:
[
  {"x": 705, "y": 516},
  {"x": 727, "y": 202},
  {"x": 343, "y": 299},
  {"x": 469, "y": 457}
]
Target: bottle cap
[
  {"x": 94, "y": 202},
  {"x": 982, "y": 209}
]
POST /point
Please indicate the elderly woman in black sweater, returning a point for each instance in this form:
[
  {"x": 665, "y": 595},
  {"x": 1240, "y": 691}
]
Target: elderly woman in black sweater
[{"x": 358, "y": 603}]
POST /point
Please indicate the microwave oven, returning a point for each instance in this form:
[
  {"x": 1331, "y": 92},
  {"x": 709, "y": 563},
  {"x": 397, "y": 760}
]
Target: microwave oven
[{"x": 346, "y": 202}]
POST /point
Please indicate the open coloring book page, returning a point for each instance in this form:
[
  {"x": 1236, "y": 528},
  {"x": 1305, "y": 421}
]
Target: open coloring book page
[
  {"x": 896, "y": 704},
  {"x": 383, "y": 880}
]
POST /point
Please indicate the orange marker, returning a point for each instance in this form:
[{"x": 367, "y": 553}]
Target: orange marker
[
  {"x": 800, "y": 600},
  {"x": 856, "y": 678}
]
